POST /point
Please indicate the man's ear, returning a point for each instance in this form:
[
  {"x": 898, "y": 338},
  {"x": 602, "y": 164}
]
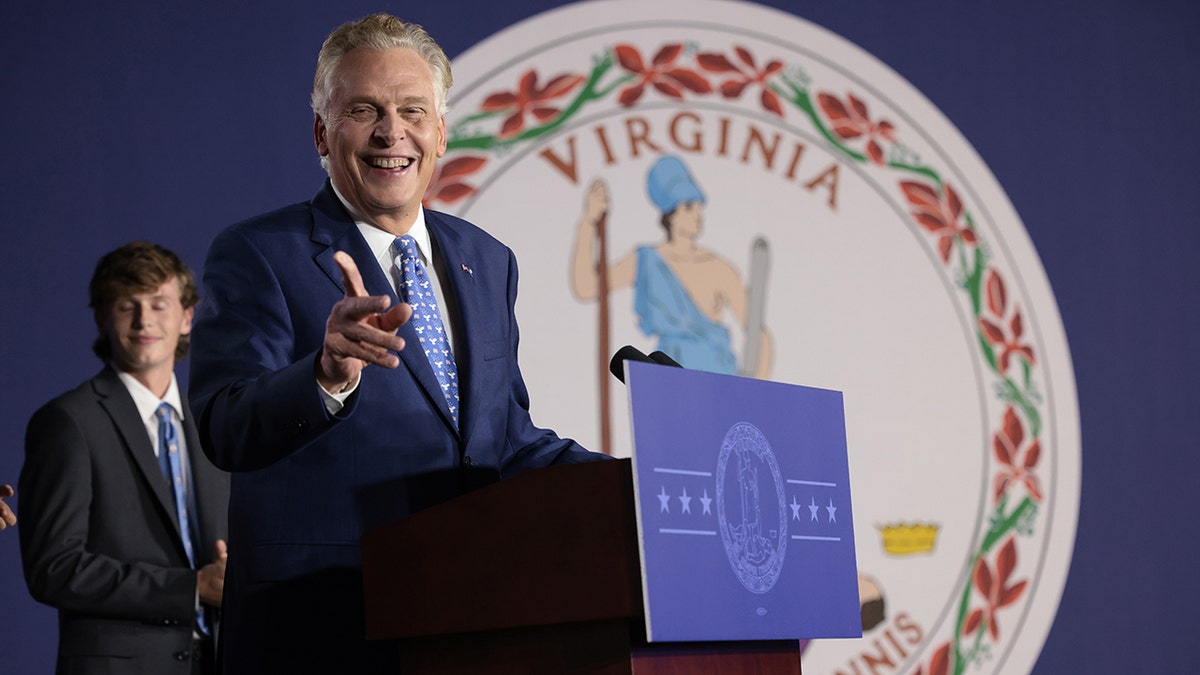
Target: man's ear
[
  {"x": 441, "y": 136},
  {"x": 319, "y": 135},
  {"x": 188, "y": 315}
]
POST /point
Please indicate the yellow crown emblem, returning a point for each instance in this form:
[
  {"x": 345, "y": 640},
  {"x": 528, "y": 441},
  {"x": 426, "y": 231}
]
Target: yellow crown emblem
[{"x": 907, "y": 539}]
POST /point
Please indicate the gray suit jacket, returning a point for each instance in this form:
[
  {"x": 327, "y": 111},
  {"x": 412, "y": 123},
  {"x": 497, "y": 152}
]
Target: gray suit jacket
[{"x": 100, "y": 539}]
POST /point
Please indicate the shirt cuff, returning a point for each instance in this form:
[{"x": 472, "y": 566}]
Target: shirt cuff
[{"x": 335, "y": 402}]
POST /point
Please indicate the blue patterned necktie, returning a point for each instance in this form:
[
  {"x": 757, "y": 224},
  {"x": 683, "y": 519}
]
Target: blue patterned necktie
[
  {"x": 171, "y": 463},
  {"x": 415, "y": 289}
]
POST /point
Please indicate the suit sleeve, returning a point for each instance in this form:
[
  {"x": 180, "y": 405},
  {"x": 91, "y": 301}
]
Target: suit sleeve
[
  {"x": 256, "y": 400},
  {"x": 531, "y": 447},
  {"x": 61, "y": 569}
]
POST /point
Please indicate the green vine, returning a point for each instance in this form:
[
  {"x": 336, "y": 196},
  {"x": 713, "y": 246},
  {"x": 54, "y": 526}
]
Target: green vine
[
  {"x": 591, "y": 92},
  {"x": 1001, "y": 525}
]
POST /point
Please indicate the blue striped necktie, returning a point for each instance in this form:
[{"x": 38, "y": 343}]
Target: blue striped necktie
[{"x": 171, "y": 463}]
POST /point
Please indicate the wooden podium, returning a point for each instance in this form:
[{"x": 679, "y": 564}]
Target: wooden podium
[{"x": 536, "y": 574}]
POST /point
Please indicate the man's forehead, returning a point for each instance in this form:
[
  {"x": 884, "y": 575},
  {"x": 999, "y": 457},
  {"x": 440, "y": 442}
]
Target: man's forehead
[{"x": 382, "y": 70}]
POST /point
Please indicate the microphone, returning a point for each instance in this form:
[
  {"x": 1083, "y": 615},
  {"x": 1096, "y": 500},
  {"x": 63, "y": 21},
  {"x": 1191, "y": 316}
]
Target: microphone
[
  {"x": 630, "y": 353},
  {"x": 659, "y": 357},
  {"x": 627, "y": 353}
]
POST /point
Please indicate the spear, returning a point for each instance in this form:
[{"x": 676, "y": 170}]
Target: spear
[{"x": 603, "y": 340}]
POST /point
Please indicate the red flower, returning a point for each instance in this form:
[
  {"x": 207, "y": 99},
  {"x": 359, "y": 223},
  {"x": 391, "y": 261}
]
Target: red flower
[
  {"x": 732, "y": 88},
  {"x": 938, "y": 213},
  {"x": 1016, "y": 466},
  {"x": 995, "y": 589},
  {"x": 940, "y": 663},
  {"x": 852, "y": 121},
  {"x": 662, "y": 74},
  {"x": 529, "y": 99},
  {"x": 446, "y": 184},
  {"x": 1009, "y": 342}
]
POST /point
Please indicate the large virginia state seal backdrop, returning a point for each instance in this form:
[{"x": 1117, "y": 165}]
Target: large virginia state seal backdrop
[{"x": 898, "y": 273}]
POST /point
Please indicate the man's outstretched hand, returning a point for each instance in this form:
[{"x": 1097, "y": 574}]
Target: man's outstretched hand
[{"x": 361, "y": 330}]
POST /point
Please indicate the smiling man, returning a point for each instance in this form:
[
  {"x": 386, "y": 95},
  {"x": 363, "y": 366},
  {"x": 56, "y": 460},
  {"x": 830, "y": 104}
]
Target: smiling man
[
  {"x": 123, "y": 517},
  {"x": 300, "y": 302}
]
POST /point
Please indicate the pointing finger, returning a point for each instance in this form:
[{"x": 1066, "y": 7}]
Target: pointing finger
[
  {"x": 395, "y": 317},
  {"x": 351, "y": 279}
]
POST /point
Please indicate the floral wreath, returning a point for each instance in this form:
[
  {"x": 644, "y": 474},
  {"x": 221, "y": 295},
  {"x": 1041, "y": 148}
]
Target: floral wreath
[{"x": 681, "y": 71}]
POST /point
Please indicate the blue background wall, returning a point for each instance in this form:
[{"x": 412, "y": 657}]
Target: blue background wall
[{"x": 168, "y": 121}]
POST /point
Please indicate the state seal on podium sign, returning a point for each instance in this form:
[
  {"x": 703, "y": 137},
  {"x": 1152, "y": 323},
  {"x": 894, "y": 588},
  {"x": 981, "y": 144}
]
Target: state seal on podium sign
[{"x": 756, "y": 538}]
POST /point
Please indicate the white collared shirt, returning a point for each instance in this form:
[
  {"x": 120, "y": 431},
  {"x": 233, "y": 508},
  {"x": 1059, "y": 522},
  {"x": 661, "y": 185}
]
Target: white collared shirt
[{"x": 147, "y": 406}]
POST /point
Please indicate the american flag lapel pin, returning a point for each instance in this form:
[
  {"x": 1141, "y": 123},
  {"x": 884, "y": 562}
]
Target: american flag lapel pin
[{"x": 468, "y": 270}]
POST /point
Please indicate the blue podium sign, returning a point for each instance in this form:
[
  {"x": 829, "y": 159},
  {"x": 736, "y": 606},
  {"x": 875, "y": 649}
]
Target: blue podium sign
[{"x": 742, "y": 492}]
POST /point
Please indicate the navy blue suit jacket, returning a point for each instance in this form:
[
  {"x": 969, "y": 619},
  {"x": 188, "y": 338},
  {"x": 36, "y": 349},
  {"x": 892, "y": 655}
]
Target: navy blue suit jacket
[{"x": 307, "y": 484}]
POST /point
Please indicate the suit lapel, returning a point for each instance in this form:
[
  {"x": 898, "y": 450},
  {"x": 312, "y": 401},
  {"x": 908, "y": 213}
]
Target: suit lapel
[
  {"x": 115, "y": 400},
  {"x": 334, "y": 229}
]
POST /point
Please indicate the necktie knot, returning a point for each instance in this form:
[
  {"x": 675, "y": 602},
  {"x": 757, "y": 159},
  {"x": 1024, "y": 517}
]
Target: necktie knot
[
  {"x": 407, "y": 257},
  {"x": 166, "y": 423}
]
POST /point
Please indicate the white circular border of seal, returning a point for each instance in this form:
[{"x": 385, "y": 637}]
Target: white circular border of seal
[
  {"x": 1030, "y": 446},
  {"x": 761, "y": 579}
]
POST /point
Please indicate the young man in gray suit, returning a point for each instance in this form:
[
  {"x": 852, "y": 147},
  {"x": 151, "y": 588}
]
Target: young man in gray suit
[{"x": 123, "y": 517}]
